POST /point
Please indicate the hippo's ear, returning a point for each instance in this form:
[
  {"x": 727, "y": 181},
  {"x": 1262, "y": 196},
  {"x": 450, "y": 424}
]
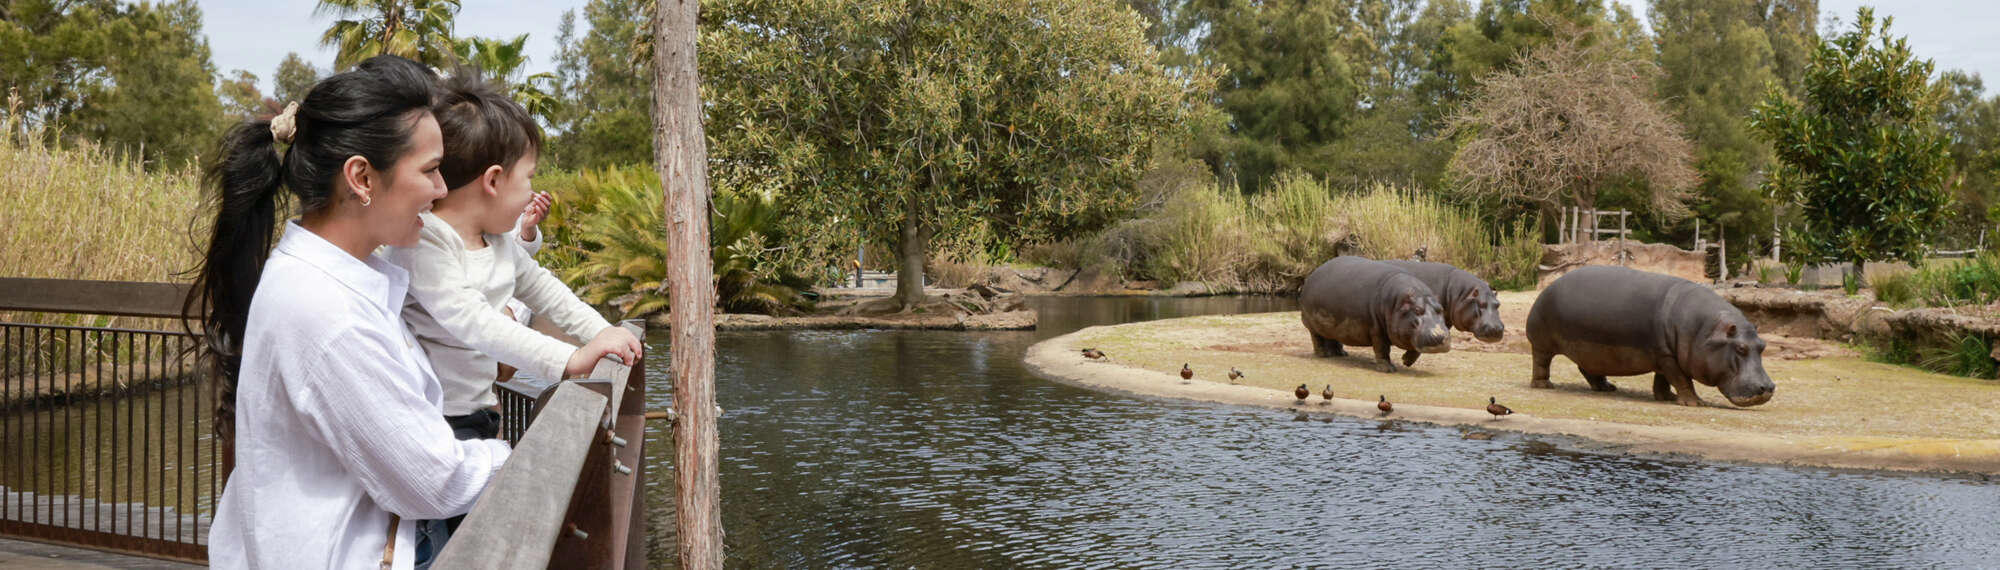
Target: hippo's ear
[{"x": 1728, "y": 325}]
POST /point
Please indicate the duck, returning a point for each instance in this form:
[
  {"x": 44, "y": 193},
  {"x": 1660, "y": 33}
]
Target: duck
[
  {"x": 1302, "y": 392},
  {"x": 1493, "y": 407},
  {"x": 1094, "y": 354},
  {"x": 1382, "y": 403},
  {"x": 1186, "y": 373},
  {"x": 1326, "y": 393},
  {"x": 1234, "y": 374}
]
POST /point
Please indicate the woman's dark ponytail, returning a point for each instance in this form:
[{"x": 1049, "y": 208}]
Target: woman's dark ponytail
[
  {"x": 365, "y": 112},
  {"x": 247, "y": 176}
]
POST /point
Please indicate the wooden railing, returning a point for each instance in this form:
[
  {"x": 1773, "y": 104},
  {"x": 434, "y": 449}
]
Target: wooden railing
[
  {"x": 105, "y": 443},
  {"x": 105, "y": 438},
  {"x": 573, "y": 490}
]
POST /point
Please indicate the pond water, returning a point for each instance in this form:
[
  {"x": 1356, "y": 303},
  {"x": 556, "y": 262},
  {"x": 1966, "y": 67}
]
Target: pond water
[{"x": 938, "y": 449}]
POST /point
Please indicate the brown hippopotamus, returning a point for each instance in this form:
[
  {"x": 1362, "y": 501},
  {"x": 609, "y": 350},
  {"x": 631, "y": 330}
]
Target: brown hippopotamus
[
  {"x": 1613, "y": 321},
  {"x": 1352, "y": 300},
  {"x": 1469, "y": 303}
]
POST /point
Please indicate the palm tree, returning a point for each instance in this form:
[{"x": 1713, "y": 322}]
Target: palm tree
[
  {"x": 502, "y": 60},
  {"x": 416, "y": 29}
]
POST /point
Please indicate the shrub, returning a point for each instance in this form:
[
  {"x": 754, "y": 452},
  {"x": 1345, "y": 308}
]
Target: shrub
[
  {"x": 1963, "y": 354},
  {"x": 614, "y": 244}
]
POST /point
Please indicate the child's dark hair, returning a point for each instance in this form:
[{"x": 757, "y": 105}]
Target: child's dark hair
[
  {"x": 364, "y": 112},
  {"x": 482, "y": 128}
]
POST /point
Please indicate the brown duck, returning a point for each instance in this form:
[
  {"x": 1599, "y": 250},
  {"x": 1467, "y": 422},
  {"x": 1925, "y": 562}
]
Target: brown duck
[
  {"x": 1302, "y": 392},
  {"x": 1093, "y": 354},
  {"x": 1326, "y": 393},
  {"x": 1382, "y": 403},
  {"x": 1493, "y": 407},
  {"x": 1234, "y": 374},
  {"x": 1186, "y": 373}
]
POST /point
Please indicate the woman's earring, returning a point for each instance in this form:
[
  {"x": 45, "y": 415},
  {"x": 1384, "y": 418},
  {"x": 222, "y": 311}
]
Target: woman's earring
[{"x": 364, "y": 201}]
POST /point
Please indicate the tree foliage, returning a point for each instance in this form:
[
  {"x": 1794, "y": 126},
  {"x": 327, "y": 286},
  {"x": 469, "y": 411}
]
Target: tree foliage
[
  {"x": 1972, "y": 123},
  {"x": 1576, "y": 116},
  {"x": 1717, "y": 57},
  {"x": 905, "y": 118},
  {"x": 1859, "y": 153},
  {"x": 294, "y": 77},
  {"x": 604, "y": 89},
  {"x": 135, "y": 77},
  {"x": 417, "y": 29}
]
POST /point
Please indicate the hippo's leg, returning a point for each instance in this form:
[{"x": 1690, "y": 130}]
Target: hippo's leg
[
  {"x": 1683, "y": 387},
  {"x": 1662, "y": 390},
  {"x": 1597, "y": 382},
  {"x": 1325, "y": 347},
  {"x": 1410, "y": 357},
  {"x": 1382, "y": 355},
  {"x": 1541, "y": 378}
]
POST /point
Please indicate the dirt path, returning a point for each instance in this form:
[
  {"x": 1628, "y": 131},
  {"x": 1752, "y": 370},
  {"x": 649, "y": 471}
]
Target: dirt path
[{"x": 1831, "y": 409}]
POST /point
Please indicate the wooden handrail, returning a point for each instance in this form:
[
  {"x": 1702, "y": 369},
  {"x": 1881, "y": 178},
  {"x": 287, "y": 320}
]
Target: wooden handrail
[
  {"x": 569, "y": 491},
  {"x": 117, "y": 298}
]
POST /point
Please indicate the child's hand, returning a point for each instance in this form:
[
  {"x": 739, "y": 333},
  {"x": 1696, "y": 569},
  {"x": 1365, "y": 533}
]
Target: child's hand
[
  {"x": 614, "y": 341},
  {"x": 537, "y": 210}
]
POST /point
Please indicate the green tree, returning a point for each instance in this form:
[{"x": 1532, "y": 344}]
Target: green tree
[
  {"x": 1860, "y": 154},
  {"x": 417, "y": 29},
  {"x": 1717, "y": 57},
  {"x": 135, "y": 77},
  {"x": 1972, "y": 123},
  {"x": 605, "y": 91},
  {"x": 502, "y": 60},
  {"x": 1289, "y": 85},
  {"x": 240, "y": 97},
  {"x": 907, "y": 118},
  {"x": 293, "y": 78}
]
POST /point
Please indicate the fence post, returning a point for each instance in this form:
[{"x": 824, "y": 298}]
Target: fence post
[
  {"x": 1621, "y": 236},
  {"x": 680, "y": 152}
]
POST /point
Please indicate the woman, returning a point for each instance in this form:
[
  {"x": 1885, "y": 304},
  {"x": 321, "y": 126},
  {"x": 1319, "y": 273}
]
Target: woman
[{"x": 336, "y": 418}]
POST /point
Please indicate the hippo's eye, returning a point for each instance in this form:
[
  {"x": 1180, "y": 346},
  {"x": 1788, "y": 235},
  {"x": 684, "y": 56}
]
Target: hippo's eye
[{"x": 1742, "y": 350}]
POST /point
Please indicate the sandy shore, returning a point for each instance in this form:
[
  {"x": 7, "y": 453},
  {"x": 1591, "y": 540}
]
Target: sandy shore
[{"x": 1836, "y": 411}]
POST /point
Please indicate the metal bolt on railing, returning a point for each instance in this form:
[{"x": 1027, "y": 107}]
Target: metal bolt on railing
[
  {"x": 614, "y": 439},
  {"x": 578, "y": 533},
  {"x": 620, "y": 467}
]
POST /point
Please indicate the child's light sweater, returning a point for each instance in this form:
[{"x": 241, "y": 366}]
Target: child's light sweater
[{"x": 454, "y": 309}]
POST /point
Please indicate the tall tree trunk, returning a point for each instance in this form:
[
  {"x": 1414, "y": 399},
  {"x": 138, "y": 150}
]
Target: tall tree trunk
[
  {"x": 911, "y": 247},
  {"x": 680, "y": 153}
]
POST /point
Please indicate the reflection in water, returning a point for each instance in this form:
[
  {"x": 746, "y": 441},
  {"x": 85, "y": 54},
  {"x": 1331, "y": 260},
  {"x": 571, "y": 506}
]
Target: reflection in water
[{"x": 911, "y": 448}]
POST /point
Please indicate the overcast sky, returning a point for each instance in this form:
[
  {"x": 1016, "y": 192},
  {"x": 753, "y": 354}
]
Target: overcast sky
[{"x": 254, "y": 35}]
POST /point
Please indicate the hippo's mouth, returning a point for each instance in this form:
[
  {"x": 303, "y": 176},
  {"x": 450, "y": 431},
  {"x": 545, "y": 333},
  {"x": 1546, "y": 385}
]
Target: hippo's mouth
[
  {"x": 1751, "y": 401},
  {"x": 1494, "y": 336}
]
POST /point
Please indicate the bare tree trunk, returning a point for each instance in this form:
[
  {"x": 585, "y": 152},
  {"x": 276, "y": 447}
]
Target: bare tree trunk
[
  {"x": 680, "y": 152},
  {"x": 911, "y": 248}
]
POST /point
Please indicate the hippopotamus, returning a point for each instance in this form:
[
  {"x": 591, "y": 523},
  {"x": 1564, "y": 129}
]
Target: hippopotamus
[
  {"x": 1613, "y": 321},
  {"x": 1469, "y": 303},
  {"x": 1352, "y": 300}
]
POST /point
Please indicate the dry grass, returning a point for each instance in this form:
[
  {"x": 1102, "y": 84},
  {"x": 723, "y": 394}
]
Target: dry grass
[
  {"x": 84, "y": 213},
  {"x": 1829, "y": 396},
  {"x": 1271, "y": 241}
]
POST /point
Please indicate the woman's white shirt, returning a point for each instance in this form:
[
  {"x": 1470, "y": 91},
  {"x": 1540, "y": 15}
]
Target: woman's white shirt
[{"x": 339, "y": 420}]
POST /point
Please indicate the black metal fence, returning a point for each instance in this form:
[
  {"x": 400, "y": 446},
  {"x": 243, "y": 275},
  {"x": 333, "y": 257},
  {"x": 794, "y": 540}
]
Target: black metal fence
[{"x": 106, "y": 439}]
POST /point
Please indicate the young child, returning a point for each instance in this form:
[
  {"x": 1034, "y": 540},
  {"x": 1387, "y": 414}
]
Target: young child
[{"x": 464, "y": 268}]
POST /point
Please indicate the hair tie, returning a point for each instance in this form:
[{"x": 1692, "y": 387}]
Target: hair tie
[{"x": 286, "y": 124}]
